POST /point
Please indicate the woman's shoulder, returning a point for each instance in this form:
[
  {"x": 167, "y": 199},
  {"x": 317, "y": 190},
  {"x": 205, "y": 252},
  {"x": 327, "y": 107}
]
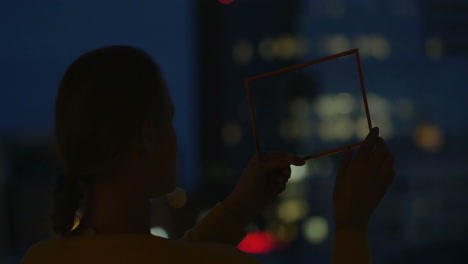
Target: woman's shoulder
[{"x": 132, "y": 249}]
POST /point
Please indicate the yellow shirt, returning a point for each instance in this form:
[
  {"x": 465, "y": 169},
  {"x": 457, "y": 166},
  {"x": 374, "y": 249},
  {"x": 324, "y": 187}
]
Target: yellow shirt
[{"x": 213, "y": 240}]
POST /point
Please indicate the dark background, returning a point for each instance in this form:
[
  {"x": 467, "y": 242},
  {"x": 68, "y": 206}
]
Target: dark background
[{"x": 414, "y": 56}]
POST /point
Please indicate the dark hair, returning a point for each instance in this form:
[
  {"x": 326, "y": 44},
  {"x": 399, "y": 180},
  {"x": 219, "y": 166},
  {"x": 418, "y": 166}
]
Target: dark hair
[{"x": 103, "y": 98}]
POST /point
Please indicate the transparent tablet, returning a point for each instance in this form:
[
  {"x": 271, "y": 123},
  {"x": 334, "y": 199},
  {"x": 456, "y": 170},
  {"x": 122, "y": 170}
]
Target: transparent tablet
[{"x": 311, "y": 109}]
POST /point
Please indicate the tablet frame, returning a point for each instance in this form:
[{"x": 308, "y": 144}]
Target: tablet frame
[{"x": 247, "y": 82}]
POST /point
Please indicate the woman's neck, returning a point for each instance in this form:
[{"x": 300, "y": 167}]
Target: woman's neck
[{"x": 115, "y": 208}]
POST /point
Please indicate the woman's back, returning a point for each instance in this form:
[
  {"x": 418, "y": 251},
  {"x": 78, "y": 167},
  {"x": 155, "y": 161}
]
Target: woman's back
[{"x": 131, "y": 248}]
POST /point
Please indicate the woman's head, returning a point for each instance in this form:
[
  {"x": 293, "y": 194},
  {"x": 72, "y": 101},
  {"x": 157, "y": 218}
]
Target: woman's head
[{"x": 114, "y": 112}]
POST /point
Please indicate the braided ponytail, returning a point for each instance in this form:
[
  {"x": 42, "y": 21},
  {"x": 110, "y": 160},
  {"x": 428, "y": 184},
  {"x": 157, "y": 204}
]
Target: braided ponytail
[{"x": 67, "y": 200}]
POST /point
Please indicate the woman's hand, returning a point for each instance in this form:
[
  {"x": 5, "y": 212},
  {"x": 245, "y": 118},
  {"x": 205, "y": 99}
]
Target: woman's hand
[
  {"x": 361, "y": 182},
  {"x": 260, "y": 184}
]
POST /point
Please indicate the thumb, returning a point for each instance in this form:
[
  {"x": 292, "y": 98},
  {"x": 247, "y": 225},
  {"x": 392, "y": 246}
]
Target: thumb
[{"x": 269, "y": 166}]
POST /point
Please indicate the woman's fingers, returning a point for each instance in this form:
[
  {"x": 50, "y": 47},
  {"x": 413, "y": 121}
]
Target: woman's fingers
[
  {"x": 365, "y": 150},
  {"x": 345, "y": 160},
  {"x": 378, "y": 156}
]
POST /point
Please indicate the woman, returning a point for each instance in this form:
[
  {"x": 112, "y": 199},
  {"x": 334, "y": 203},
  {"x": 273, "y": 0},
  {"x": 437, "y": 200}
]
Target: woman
[{"x": 117, "y": 146}]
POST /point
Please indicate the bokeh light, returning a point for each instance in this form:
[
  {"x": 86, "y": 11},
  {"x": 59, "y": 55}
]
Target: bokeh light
[
  {"x": 226, "y": 2},
  {"x": 291, "y": 210},
  {"x": 336, "y": 44},
  {"x": 428, "y": 137},
  {"x": 287, "y": 47},
  {"x": 260, "y": 242},
  {"x": 159, "y": 232},
  {"x": 315, "y": 229},
  {"x": 343, "y": 128},
  {"x": 299, "y": 173},
  {"x": 177, "y": 198}
]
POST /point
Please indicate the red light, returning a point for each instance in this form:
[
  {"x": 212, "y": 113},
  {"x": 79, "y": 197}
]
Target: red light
[
  {"x": 225, "y": 2},
  {"x": 260, "y": 242}
]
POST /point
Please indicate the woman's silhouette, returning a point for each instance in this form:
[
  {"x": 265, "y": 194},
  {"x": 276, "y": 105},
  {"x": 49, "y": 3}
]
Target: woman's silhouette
[{"x": 117, "y": 147}]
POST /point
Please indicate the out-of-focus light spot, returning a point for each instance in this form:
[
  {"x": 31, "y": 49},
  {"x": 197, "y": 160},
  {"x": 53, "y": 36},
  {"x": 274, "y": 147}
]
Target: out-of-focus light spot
[
  {"x": 428, "y": 137},
  {"x": 231, "y": 133},
  {"x": 434, "y": 48},
  {"x": 364, "y": 44},
  {"x": 325, "y": 130},
  {"x": 380, "y": 47},
  {"x": 378, "y": 106},
  {"x": 325, "y": 107},
  {"x": 375, "y": 46},
  {"x": 226, "y": 2},
  {"x": 77, "y": 219},
  {"x": 159, "y": 231},
  {"x": 265, "y": 49},
  {"x": 362, "y": 128},
  {"x": 315, "y": 229},
  {"x": 337, "y": 44},
  {"x": 343, "y": 128},
  {"x": 260, "y": 242},
  {"x": 282, "y": 232},
  {"x": 335, "y": 9},
  {"x": 177, "y": 198},
  {"x": 345, "y": 103},
  {"x": 292, "y": 210},
  {"x": 404, "y": 108},
  {"x": 299, "y": 108},
  {"x": 298, "y": 173},
  {"x": 286, "y": 47},
  {"x": 330, "y": 106},
  {"x": 242, "y": 52}
]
